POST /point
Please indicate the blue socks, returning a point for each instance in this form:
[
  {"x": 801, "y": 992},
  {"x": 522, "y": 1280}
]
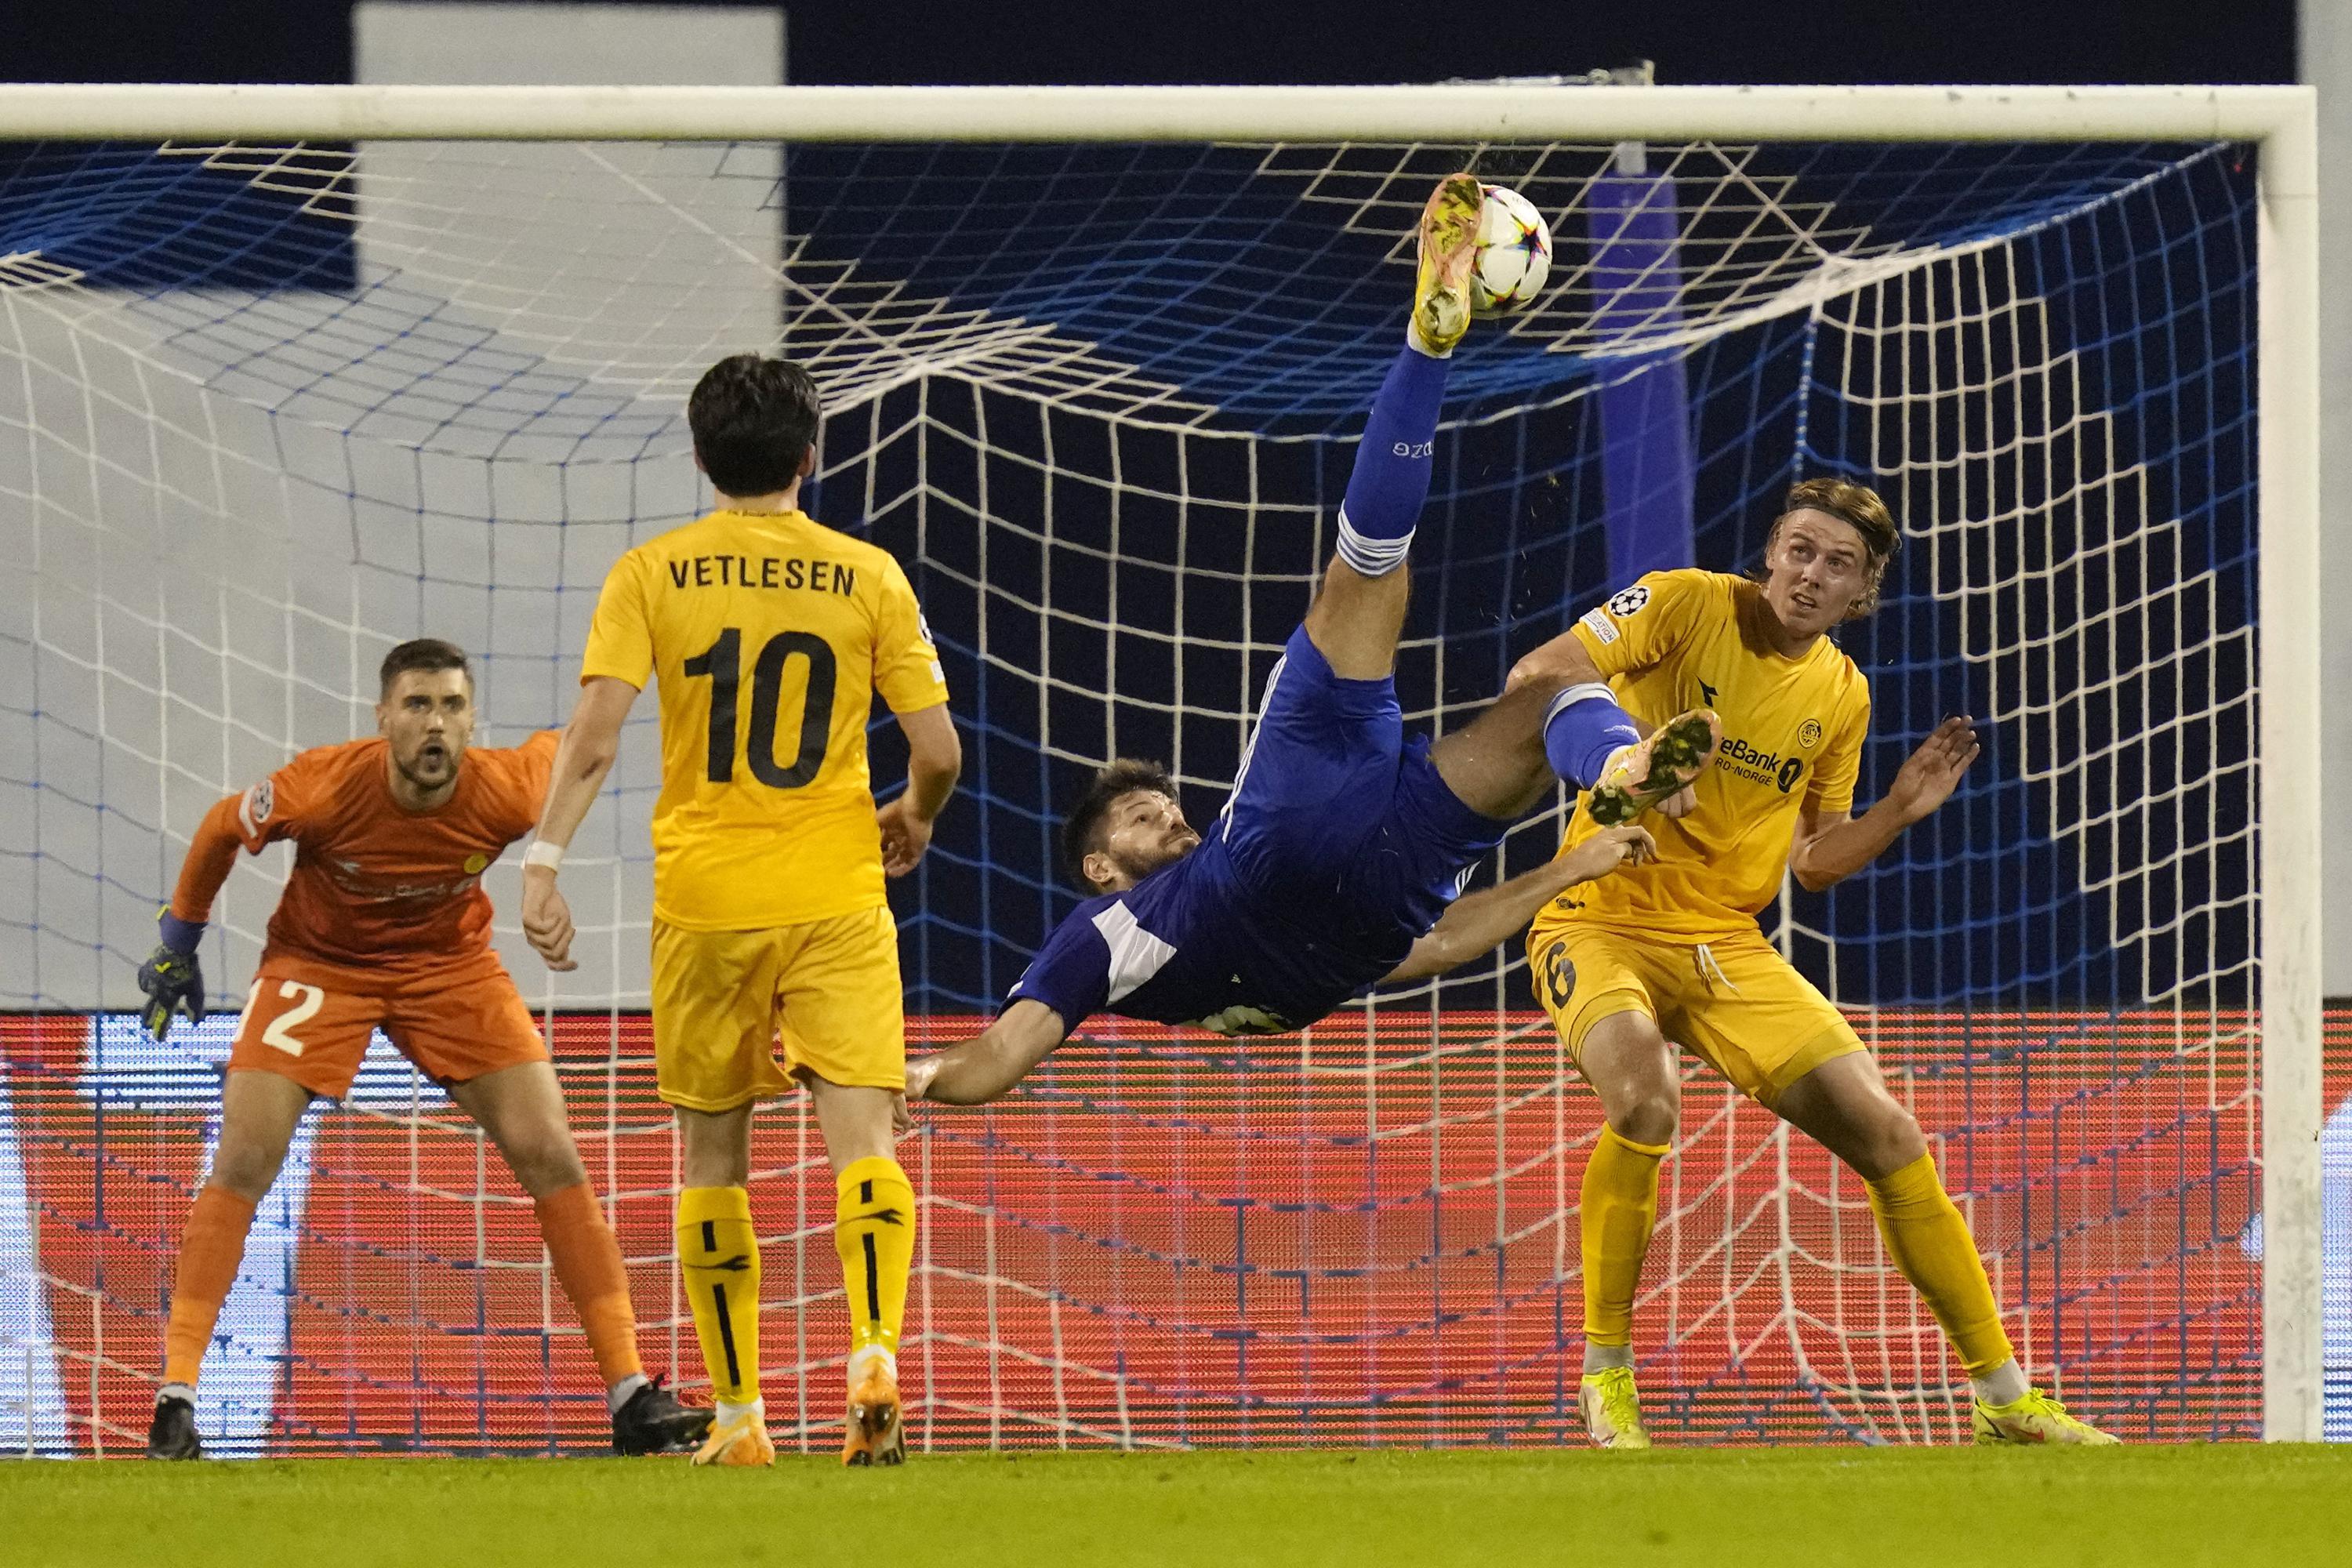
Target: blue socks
[
  {"x": 1581, "y": 728},
  {"x": 1391, "y": 479}
]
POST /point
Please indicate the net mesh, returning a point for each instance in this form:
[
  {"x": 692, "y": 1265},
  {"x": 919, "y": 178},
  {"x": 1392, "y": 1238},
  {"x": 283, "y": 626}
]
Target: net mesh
[{"x": 267, "y": 411}]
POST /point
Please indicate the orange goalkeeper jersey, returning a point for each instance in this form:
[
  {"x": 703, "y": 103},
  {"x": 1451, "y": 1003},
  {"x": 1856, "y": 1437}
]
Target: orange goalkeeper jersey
[
  {"x": 1792, "y": 735},
  {"x": 374, "y": 885},
  {"x": 769, "y": 635}
]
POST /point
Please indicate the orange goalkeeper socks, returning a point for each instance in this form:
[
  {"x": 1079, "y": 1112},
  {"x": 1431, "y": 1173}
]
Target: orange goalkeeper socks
[
  {"x": 1929, "y": 1242},
  {"x": 587, "y": 1258},
  {"x": 1617, "y": 1211},
  {"x": 211, "y": 1243}
]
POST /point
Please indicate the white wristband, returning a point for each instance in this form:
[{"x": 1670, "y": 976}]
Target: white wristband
[{"x": 542, "y": 853}]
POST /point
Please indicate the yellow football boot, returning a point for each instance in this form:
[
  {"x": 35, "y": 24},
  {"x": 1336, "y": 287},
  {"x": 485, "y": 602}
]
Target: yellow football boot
[
  {"x": 1449, "y": 248},
  {"x": 1655, "y": 769},
  {"x": 1611, "y": 1409},
  {"x": 2033, "y": 1417},
  {"x": 743, "y": 1441},
  {"x": 871, "y": 1434}
]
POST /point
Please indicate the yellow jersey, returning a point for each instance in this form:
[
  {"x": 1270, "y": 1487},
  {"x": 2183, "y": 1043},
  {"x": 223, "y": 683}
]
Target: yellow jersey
[
  {"x": 1792, "y": 736},
  {"x": 768, "y": 635}
]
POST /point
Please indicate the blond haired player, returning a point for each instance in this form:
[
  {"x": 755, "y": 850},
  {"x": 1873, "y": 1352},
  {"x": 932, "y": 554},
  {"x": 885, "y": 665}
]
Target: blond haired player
[
  {"x": 1670, "y": 950},
  {"x": 769, "y": 636}
]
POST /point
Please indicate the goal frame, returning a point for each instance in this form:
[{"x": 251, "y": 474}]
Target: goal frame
[{"x": 2281, "y": 122}]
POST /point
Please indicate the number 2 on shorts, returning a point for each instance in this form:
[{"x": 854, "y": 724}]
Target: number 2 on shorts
[{"x": 307, "y": 999}]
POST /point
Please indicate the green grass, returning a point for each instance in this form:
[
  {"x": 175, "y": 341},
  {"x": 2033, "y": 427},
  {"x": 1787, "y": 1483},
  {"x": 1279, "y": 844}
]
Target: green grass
[{"x": 2252, "y": 1506}]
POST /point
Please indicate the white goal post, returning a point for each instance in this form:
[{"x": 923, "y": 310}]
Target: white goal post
[{"x": 2279, "y": 122}]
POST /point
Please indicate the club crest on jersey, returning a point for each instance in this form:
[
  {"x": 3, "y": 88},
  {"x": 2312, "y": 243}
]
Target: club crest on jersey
[
  {"x": 257, "y": 805},
  {"x": 1809, "y": 733},
  {"x": 1630, "y": 600}
]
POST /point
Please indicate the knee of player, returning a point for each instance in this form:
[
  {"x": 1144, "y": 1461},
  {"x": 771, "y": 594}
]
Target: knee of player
[
  {"x": 1648, "y": 1114},
  {"x": 545, "y": 1160},
  {"x": 1896, "y": 1141},
  {"x": 1545, "y": 669},
  {"x": 246, "y": 1166}
]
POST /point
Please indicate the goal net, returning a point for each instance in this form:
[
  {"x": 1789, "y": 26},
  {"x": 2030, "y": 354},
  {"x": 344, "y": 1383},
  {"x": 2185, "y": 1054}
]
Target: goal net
[{"x": 267, "y": 409}]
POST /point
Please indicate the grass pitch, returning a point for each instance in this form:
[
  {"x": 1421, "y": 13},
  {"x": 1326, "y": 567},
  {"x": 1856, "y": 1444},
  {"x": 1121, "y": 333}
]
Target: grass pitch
[{"x": 2269, "y": 1506}]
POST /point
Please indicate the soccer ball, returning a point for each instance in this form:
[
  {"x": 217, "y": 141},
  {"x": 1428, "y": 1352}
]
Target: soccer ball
[{"x": 1514, "y": 254}]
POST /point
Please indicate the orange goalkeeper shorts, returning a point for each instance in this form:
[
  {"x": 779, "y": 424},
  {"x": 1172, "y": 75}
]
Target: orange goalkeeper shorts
[{"x": 312, "y": 1023}]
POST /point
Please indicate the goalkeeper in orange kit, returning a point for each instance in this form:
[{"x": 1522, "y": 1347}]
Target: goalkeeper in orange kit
[{"x": 383, "y": 924}]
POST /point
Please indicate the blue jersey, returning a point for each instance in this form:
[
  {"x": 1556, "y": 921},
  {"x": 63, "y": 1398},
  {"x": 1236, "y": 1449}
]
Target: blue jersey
[
  {"x": 1341, "y": 845},
  {"x": 1188, "y": 945}
]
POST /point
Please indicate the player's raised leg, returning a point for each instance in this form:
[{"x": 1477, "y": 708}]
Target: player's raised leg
[
  {"x": 1557, "y": 720},
  {"x": 521, "y": 1107},
  {"x": 259, "y": 1112},
  {"x": 1844, "y": 1105},
  {"x": 1357, "y": 615}
]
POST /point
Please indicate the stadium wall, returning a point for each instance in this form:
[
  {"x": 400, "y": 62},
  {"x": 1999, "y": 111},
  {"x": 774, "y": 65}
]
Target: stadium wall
[{"x": 1172, "y": 1240}]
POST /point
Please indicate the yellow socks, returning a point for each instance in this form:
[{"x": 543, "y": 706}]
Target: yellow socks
[
  {"x": 720, "y": 1259},
  {"x": 1929, "y": 1242},
  {"x": 874, "y": 1232},
  {"x": 1619, "y": 1208}
]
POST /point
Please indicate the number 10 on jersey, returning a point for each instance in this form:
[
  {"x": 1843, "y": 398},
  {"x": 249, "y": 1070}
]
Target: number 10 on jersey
[{"x": 723, "y": 662}]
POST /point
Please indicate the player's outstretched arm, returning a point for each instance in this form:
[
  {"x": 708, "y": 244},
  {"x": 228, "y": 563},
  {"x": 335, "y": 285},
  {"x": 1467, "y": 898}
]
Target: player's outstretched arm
[
  {"x": 934, "y": 762},
  {"x": 1475, "y": 923},
  {"x": 172, "y": 978},
  {"x": 985, "y": 1067},
  {"x": 585, "y": 755},
  {"x": 1827, "y": 853}
]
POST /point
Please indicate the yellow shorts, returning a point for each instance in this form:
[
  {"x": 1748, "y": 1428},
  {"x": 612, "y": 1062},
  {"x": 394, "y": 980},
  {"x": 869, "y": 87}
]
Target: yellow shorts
[
  {"x": 1736, "y": 1002},
  {"x": 827, "y": 992}
]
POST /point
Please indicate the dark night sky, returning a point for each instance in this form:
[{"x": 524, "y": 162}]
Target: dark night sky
[{"x": 1285, "y": 40}]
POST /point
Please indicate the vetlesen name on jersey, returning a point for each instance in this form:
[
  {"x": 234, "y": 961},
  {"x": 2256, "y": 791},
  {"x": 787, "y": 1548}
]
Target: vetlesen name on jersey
[
  {"x": 1739, "y": 757},
  {"x": 762, "y": 572}
]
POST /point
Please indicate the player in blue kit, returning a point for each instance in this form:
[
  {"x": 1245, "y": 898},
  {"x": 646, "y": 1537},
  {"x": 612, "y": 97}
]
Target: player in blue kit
[{"x": 1337, "y": 861}]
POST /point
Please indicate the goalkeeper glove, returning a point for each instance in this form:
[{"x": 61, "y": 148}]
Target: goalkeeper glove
[{"x": 172, "y": 978}]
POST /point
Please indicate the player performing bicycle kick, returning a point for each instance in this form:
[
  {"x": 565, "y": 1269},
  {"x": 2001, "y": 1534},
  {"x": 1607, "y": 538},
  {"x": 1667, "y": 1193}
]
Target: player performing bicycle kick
[{"x": 1336, "y": 862}]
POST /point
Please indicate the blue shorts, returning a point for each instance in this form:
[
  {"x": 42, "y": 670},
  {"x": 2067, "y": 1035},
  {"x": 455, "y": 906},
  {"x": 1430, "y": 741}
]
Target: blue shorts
[{"x": 1336, "y": 820}]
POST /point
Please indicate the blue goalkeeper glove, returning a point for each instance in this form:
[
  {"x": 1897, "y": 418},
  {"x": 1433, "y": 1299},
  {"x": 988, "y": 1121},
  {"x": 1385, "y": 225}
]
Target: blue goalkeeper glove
[{"x": 172, "y": 978}]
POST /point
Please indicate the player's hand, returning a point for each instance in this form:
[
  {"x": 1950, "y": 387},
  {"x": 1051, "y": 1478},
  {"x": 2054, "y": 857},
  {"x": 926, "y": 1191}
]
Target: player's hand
[
  {"x": 919, "y": 1073},
  {"x": 902, "y": 1120},
  {"x": 547, "y": 919},
  {"x": 1608, "y": 849},
  {"x": 1682, "y": 802},
  {"x": 175, "y": 983},
  {"x": 1933, "y": 771},
  {"x": 905, "y": 836}
]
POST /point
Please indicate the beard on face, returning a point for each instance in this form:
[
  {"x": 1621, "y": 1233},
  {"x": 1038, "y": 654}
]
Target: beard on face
[
  {"x": 431, "y": 765},
  {"x": 1136, "y": 864}
]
